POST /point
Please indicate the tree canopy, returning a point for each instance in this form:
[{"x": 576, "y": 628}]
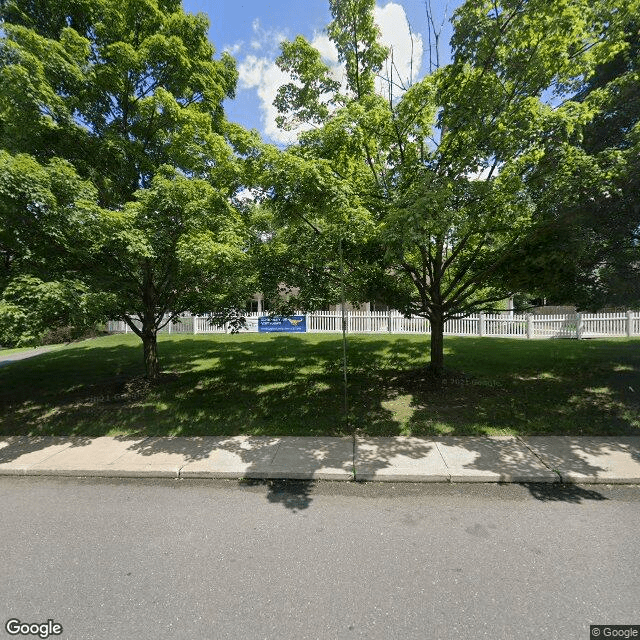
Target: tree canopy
[
  {"x": 127, "y": 97},
  {"x": 431, "y": 182},
  {"x": 588, "y": 252}
]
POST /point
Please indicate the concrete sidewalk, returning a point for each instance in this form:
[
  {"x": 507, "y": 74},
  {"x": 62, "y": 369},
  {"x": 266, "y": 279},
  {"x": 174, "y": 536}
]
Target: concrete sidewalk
[{"x": 400, "y": 459}]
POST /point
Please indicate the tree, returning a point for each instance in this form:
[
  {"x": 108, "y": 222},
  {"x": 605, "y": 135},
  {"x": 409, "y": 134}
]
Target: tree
[
  {"x": 42, "y": 209},
  {"x": 588, "y": 252},
  {"x": 40, "y": 206},
  {"x": 33, "y": 311},
  {"x": 129, "y": 94},
  {"x": 437, "y": 171},
  {"x": 178, "y": 246}
]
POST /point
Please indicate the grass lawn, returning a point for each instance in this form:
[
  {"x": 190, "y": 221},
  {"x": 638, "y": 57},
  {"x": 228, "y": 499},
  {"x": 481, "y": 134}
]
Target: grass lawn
[{"x": 279, "y": 384}]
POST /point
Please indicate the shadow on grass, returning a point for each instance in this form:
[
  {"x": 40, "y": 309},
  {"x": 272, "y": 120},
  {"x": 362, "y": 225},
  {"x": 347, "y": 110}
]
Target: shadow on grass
[
  {"x": 282, "y": 386},
  {"x": 292, "y": 385},
  {"x": 269, "y": 386}
]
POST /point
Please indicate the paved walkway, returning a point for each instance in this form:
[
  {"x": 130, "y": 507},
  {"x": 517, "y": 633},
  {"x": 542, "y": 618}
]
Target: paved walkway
[
  {"x": 401, "y": 459},
  {"x": 23, "y": 355}
]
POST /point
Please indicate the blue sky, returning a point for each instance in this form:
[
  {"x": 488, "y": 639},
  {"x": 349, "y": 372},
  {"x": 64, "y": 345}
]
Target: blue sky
[{"x": 252, "y": 30}]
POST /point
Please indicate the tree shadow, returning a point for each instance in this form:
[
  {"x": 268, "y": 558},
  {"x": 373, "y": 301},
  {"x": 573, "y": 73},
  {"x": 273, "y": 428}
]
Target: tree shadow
[
  {"x": 292, "y": 385},
  {"x": 270, "y": 386},
  {"x": 227, "y": 386},
  {"x": 584, "y": 458},
  {"x": 287, "y": 467},
  {"x": 542, "y": 464},
  {"x": 9, "y": 358},
  {"x": 13, "y": 448},
  {"x": 529, "y": 388},
  {"x": 294, "y": 495},
  {"x": 263, "y": 461},
  {"x": 572, "y": 493}
]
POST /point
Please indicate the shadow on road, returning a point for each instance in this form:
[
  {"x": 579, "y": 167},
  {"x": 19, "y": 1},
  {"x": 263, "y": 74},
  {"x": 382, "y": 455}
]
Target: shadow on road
[{"x": 562, "y": 492}]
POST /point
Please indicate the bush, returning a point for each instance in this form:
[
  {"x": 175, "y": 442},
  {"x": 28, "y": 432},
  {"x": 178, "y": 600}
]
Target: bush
[{"x": 34, "y": 312}]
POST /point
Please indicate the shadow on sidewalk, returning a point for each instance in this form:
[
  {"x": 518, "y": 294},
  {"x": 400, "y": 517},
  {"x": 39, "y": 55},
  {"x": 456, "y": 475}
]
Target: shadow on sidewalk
[
  {"x": 259, "y": 457},
  {"x": 305, "y": 457}
]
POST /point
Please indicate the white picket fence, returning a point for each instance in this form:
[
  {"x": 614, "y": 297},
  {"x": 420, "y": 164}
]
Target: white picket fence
[{"x": 576, "y": 325}]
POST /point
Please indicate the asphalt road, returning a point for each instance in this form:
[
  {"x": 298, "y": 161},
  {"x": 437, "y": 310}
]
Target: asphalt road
[{"x": 131, "y": 560}]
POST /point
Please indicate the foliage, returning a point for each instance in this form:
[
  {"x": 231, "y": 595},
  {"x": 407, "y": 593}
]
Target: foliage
[
  {"x": 43, "y": 207},
  {"x": 130, "y": 95},
  {"x": 432, "y": 183},
  {"x": 31, "y": 309},
  {"x": 588, "y": 251},
  {"x": 179, "y": 244},
  {"x": 119, "y": 90}
]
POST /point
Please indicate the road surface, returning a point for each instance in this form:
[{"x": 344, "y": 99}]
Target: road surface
[{"x": 136, "y": 559}]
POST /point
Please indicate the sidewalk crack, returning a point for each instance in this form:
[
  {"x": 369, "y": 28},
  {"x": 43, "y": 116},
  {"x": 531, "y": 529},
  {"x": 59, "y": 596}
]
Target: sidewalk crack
[
  {"x": 435, "y": 442},
  {"x": 279, "y": 442},
  {"x": 125, "y": 451},
  {"x": 523, "y": 442}
]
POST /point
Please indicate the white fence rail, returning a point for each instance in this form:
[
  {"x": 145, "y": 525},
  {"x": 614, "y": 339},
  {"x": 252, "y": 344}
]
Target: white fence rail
[{"x": 576, "y": 325}]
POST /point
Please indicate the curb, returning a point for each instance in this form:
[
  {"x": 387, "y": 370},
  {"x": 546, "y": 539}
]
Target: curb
[{"x": 445, "y": 460}]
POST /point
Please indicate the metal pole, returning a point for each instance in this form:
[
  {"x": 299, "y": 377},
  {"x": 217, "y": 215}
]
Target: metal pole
[{"x": 344, "y": 336}]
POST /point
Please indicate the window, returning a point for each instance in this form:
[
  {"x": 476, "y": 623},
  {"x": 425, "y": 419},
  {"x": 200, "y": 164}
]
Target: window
[{"x": 376, "y": 306}]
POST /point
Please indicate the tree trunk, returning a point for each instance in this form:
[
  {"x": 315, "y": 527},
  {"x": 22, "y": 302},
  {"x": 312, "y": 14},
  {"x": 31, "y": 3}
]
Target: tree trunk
[
  {"x": 437, "y": 344},
  {"x": 150, "y": 346},
  {"x": 149, "y": 327}
]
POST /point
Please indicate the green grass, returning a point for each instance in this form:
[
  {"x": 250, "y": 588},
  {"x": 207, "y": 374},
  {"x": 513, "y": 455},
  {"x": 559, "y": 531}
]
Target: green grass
[{"x": 291, "y": 385}]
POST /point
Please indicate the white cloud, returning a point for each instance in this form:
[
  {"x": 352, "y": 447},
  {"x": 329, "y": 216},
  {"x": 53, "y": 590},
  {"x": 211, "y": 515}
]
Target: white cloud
[
  {"x": 233, "y": 49},
  {"x": 263, "y": 75},
  {"x": 260, "y": 72},
  {"x": 327, "y": 49},
  {"x": 406, "y": 47}
]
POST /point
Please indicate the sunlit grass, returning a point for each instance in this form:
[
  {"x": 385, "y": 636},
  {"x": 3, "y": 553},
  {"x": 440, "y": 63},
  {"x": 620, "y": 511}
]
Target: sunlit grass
[{"x": 292, "y": 385}]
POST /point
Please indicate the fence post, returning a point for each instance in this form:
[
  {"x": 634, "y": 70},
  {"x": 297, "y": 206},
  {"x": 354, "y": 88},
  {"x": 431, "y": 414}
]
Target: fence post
[
  {"x": 482, "y": 327},
  {"x": 306, "y": 321},
  {"x": 529, "y": 326},
  {"x": 389, "y": 322},
  {"x": 195, "y": 324},
  {"x": 169, "y": 326},
  {"x": 579, "y": 326},
  {"x": 629, "y": 324},
  {"x": 126, "y": 328}
]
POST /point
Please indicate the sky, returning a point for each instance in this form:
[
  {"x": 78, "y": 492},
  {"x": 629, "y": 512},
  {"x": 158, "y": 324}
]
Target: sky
[{"x": 252, "y": 30}]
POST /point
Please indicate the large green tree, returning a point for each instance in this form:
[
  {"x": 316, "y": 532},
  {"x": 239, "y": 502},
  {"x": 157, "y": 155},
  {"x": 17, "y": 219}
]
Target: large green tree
[
  {"x": 588, "y": 199},
  {"x": 130, "y": 94},
  {"x": 431, "y": 179},
  {"x": 41, "y": 208}
]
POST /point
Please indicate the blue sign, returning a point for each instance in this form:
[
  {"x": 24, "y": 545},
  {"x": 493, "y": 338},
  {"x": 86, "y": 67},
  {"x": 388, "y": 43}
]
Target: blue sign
[{"x": 291, "y": 324}]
